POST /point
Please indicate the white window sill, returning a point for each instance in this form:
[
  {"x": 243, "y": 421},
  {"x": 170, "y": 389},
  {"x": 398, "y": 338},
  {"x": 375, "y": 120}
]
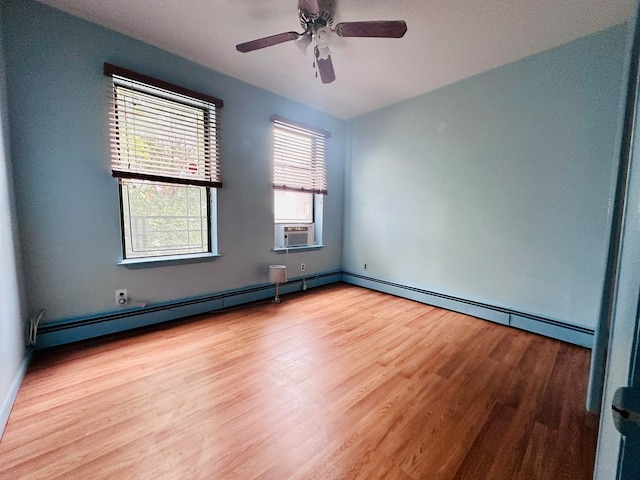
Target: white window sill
[
  {"x": 168, "y": 259},
  {"x": 297, "y": 249}
]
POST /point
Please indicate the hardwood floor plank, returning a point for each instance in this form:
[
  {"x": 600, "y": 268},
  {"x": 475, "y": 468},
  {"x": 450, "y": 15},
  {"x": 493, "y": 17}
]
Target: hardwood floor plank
[
  {"x": 338, "y": 382},
  {"x": 464, "y": 409},
  {"x": 537, "y": 464},
  {"x": 479, "y": 458}
]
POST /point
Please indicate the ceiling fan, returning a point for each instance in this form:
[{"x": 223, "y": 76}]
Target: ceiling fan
[{"x": 316, "y": 18}]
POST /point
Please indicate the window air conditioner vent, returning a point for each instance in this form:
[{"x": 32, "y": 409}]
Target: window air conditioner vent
[{"x": 293, "y": 235}]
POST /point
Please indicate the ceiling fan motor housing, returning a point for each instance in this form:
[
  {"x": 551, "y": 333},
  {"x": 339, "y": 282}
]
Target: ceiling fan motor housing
[{"x": 327, "y": 9}]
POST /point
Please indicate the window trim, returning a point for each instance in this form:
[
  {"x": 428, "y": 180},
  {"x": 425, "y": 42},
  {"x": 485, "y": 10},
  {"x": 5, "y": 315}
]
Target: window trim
[
  {"x": 110, "y": 70},
  {"x": 167, "y": 259}
]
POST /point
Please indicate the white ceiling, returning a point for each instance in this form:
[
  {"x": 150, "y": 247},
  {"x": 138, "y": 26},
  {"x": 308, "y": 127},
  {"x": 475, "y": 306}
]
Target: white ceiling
[{"x": 446, "y": 41}]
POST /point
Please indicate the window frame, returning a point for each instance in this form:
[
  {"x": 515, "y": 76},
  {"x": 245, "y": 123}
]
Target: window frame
[
  {"x": 210, "y": 234},
  {"x": 316, "y": 183},
  {"x": 164, "y": 169}
]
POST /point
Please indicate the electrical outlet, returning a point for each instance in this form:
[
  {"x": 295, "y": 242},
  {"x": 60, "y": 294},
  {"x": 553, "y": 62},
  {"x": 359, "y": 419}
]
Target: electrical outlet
[
  {"x": 365, "y": 266},
  {"x": 122, "y": 298},
  {"x": 302, "y": 267}
]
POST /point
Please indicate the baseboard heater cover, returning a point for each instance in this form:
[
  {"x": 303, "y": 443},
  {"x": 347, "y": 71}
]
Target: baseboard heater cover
[
  {"x": 75, "y": 329},
  {"x": 71, "y": 330},
  {"x": 567, "y": 332}
]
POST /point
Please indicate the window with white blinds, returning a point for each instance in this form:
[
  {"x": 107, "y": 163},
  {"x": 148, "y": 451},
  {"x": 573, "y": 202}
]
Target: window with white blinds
[
  {"x": 162, "y": 132},
  {"x": 299, "y": 157},
  {"x": 165, "y": 154}
]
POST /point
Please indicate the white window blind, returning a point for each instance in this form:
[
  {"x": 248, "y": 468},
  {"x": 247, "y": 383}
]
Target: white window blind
[
  {"x": 299, "y": 157},
  {"x": 162, "y": 132}
]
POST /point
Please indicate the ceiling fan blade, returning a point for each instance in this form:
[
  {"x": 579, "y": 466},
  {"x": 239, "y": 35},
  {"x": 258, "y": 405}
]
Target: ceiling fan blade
[
  {"x": 381, "y": 29},
  {"x": 267, "y": 41},
  {"x": 325, "y": 67},
  {"x": 309, "y": 7}
]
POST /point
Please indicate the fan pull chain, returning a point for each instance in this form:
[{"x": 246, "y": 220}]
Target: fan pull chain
[{"x": 315, "y": 55}]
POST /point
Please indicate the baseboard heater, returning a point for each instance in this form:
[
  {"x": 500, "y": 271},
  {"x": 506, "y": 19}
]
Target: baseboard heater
[
  {"x": 567, "y": 332},
  {"x": 72, "y": 330}
]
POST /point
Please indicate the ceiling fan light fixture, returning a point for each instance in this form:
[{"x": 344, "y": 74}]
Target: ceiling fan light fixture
[
  {"x": 322, "y": 37},
  {"x": 323, "y": 53}
]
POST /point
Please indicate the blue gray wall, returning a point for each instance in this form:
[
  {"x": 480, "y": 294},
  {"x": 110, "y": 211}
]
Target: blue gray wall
[
  {"x": 67, "y": 201},
  {"x": 495, "y": 189},
  {"x": 12, "y": 300}
]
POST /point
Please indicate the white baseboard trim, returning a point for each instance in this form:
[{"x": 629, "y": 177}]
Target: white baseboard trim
[{"x": 10, "y": 397}]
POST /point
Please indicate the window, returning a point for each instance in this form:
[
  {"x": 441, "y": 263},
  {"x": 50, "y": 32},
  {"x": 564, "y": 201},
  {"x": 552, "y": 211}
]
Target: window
[
  {"x": 165, "y": 154},
  {"x": 299, "y": 182},
  {"x": 293, "y": 207}
]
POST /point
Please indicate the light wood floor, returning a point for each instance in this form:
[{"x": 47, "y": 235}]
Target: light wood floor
[{"x": 335, "y": 383}]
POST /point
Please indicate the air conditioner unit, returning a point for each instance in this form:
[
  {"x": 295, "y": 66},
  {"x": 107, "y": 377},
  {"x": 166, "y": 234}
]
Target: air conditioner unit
[{"x": 294, "y": 235}]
